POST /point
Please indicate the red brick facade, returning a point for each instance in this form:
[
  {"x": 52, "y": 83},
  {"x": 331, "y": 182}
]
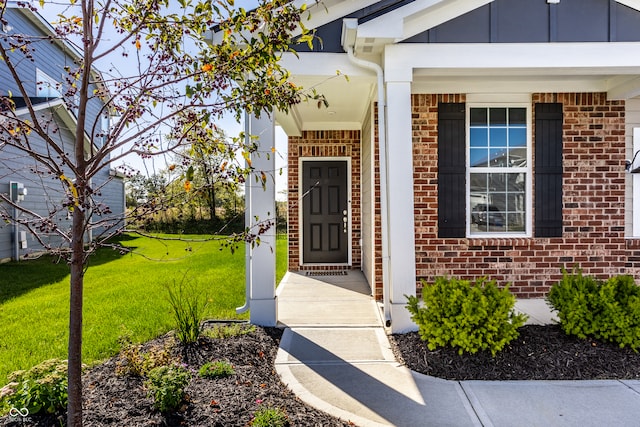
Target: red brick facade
[
  {"x": 342, "y": 143},
  {"x": 593, "y": 203}
]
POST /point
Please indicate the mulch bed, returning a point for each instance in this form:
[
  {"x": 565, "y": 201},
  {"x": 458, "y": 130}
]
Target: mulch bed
[
  {"x": 112, "y": 400},
  {"x": 539, "y": 353}
]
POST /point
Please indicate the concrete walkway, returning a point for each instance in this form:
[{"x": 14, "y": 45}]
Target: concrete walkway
[{"x": 335, "y": 355}]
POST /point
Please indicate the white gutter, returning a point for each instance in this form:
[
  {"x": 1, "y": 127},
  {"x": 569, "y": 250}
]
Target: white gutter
[
  {"x": 247, "y": 219},
  {"x": 349, "y": 31}
]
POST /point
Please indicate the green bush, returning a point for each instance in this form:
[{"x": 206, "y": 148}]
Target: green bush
[
  {"x": 216, "y": 369},
  {"x": 166, "y": 386},
  {"x": 42, "y": 388},
  {"x": 270, "y": 417},
  {"x": 588, "y": 307},
  {"x": 469, "y": 316},
  {"x": 574, "y": 298}
]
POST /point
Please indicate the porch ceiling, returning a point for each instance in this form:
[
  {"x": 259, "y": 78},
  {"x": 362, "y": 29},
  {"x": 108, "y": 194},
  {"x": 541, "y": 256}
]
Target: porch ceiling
[
  {"x": 348, "y": 101},
  {"x": 347, "y": 89}
]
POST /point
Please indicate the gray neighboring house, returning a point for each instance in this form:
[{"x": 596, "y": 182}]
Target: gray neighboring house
[{"x": 42, "y": 78}]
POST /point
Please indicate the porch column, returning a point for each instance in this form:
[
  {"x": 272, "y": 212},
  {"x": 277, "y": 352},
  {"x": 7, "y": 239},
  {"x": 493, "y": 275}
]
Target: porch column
[
  {"x": 260, "y": 202},
  {"x": 402, "y": 262}
]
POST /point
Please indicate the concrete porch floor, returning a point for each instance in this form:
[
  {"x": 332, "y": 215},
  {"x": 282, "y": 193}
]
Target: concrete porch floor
[{"x": 326, "y": 300}]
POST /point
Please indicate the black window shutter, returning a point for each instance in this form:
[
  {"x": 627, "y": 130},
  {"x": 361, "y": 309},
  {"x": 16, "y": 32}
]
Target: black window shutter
[
  {"x": 548, "y": 170},
  {"x": 451, "y": 170}
]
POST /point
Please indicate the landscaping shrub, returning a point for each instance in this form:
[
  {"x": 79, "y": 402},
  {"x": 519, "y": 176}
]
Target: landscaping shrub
[
  {"x": 588, "y": 307},
  {"x": 166, "y": 386},
  {"x": 188, "y": 308},
  {"x": 42, "y": 388},
  {"x": 216, "y": 369},
  {"x": 469, "y": 316},
  {"x": 134, "y": 361},
  {"x": 270, "y": 417}
]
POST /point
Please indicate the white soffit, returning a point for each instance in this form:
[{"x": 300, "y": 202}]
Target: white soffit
[
  {"x": 348, "y": 90},
  {"x": 329, "y": 65}
]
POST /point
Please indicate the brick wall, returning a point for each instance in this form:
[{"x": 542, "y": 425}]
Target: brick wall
[
  {"x": 342, "y": 143},
  {"x": 593, "y": 200}
]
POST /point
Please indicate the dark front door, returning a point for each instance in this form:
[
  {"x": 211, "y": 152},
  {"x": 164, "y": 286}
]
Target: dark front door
[{"x": 324, "y": 212}]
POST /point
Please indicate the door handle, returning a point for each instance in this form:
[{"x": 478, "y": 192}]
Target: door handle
[{"x": 345, "y": 220}]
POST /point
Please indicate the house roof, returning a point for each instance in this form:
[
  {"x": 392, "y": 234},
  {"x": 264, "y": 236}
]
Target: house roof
[{"x": 464, "y": 46}]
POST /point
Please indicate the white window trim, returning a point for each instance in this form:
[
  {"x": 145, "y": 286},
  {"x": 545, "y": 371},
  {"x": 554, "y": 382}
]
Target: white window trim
[{"x": 528, "y": 170}]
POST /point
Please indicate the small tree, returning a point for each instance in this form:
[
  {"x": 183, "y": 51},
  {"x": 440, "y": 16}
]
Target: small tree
[{"x": 173, "y": 79}]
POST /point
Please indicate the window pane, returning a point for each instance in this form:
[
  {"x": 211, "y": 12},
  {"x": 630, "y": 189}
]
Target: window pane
[
  {"x": 498, "y": 137},
  {"x": 517, "y": 157},
  {"x": 498, "y": 116},
  {"x": 517, "y": 136},
  {"x": 498, "y": 158},
  {"x": 478, "y": 157},
  {"x": 517, "y": 116},
  {"x": 478, "y": 116},
  {"x": 497, "y": 202},
  {"x": 478, "y": 137},
  {"x": 515, "y": 222}
]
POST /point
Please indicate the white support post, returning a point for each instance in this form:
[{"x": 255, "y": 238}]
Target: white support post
[
  {"x": 400, "y": 202},
  {"x": 262, "y": 260},
  {"x": 261, "y": 199}
]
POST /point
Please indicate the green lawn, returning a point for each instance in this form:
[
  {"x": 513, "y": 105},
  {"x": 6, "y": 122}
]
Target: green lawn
[{"x": 122, "y": 293}]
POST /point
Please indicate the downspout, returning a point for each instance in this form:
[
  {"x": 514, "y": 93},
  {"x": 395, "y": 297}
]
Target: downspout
[
  {"x": 247, "y": 220},
  {"x": 16, "y": 234},
  {"x": 351, "y": 25}
]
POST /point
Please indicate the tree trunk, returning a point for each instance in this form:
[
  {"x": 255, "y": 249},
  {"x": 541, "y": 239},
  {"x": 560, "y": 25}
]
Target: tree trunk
[
  {"x": 79, "y": 227},
  {"x": 74, "y": 406}
]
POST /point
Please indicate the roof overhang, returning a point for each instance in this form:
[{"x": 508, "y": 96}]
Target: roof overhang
[
  {"x": 66, "y": 116},
  {"x": 506, "y": 68}
]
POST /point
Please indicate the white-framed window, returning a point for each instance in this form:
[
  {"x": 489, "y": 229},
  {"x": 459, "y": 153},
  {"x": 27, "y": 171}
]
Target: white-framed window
[
  {"x": 499, "y": 174},
  {"x": 46, "y": 86}
]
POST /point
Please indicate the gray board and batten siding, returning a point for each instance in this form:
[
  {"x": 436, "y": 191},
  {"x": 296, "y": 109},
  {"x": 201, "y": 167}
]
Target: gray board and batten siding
[
  {"x": 509, "y": 21},
  {"x": 48, "y": 56},
  {"x": 45, "y": 190}
]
